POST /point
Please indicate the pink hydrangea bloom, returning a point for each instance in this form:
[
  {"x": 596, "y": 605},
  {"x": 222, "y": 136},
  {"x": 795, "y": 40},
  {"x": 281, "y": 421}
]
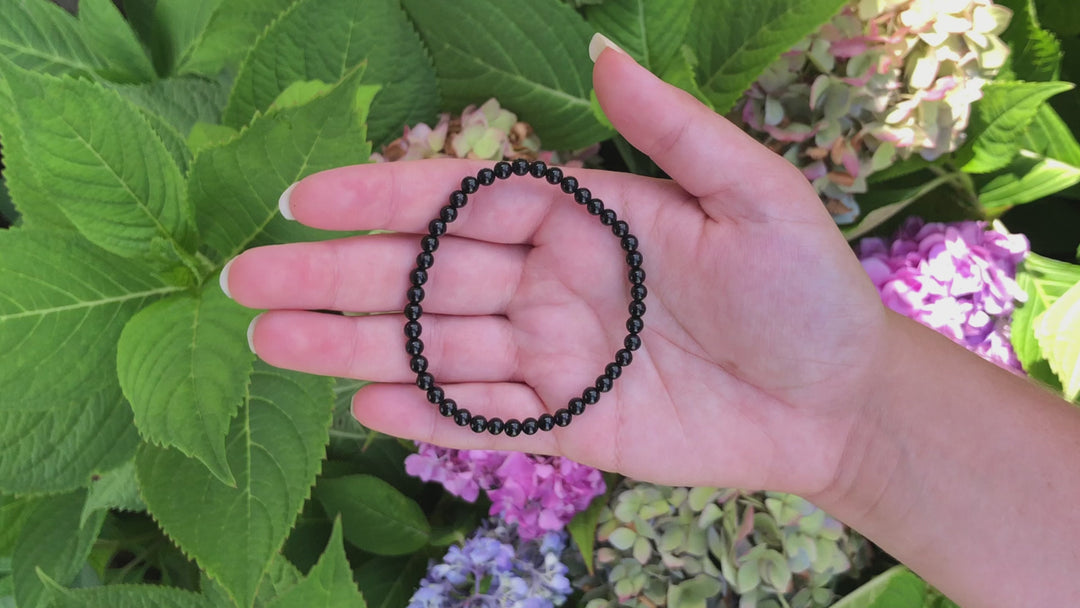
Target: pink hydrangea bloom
[{"x": 959, "y": 279}]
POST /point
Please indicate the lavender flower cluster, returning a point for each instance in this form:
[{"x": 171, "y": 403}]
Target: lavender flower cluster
[
  {"x": 538, "y": 493},
  {"x": 959, "y": 279}
]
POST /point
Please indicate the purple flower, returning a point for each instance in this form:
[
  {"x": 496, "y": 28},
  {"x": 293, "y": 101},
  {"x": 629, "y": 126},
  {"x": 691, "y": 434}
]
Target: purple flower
[{"x": 959, "y": 279}]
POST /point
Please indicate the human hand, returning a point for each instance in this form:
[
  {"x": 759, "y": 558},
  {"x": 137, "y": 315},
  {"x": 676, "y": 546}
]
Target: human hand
[{"x": 761, "y": 337}]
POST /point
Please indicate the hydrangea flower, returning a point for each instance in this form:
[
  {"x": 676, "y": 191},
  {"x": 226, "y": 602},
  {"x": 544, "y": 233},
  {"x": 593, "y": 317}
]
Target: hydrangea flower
[
  {"x": 959, "y": 279},
  {"x": 489, "y": 572},
  {"x": 538, "y": 493}
]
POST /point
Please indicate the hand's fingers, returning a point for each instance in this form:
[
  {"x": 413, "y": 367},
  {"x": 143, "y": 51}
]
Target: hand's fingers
[
  {"x": 708, "y": 156},
  {"x": 458, "y": 349},
  {"x": 371, "y": 274}
]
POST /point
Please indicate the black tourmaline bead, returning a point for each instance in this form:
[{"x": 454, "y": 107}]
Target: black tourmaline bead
[
  {"x": 495, "y": 426},
  {"x": 634, "y": 325},
  {"x": 458, "y": 199},
  {"x": 569, "y": 184},
  {"x": 413, "y": 311},
  {"x": 529, "y": 426},
  {"x": 462, "y": 417},
  {"x": 418, "y": 276},
  {"x": 582, "y": 195},
  {"x": 563, "y": 417},
  {"x": 414, "y": 347},
  {"x": 512, "y": 427},
  {"x": 624, "y": 357},
  {"x": 520, "y": 166},
  {"x": 435, "y": 394},
  {"x": 613, "y": 370},
  {"x": 620, "y": 228},
  {"x": 413, "y": 329},
  {"x": 429, "y": 243},
  {"x": 469, "y": 185},
  {"x": 632, "y": 342},
  {"x": 553, "y": 175},
  {"x": 636, "y": 275},
  {"x": 485, "y": 176},
  {"x": 634, "y": 259},
  {"x": 637, "y": 308},
  {"x": 418, "y": 364},
  {"x": 629, "y": 242},
  {"x": 603, "y": 384},
  {"x": 502, "y": 169},
  {"x": 590, "y": 395},
  {"x": 538, "y": 168},
  {"x": 425, "y": 260},
  {"x": 608, "y": 217},
  {"x": 436, "y": 227},
  {"x": 576, "y": 406},
  {"x": 415, "y": 294},
  {"x": 595, "y": 206},
  {"x": 448, "y": 407},
  {"x": 425, "y": 380},
  {"x": 638, "y": 292},
  {"x": 448, "y": 214},
  {"x": 545, "y": 422},
  {"x": 478, "y": 424}
]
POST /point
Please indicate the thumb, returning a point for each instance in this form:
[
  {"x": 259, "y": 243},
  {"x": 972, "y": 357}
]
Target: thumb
[{"x": 712, "y": 159}]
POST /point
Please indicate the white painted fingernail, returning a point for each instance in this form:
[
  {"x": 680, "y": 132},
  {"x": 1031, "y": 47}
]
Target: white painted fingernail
[
  {"x": 251, "y": 333},
  {"x": 283, "y": 203},
  {"x": 600, "y": 42},
  {"x": 224, "y": 278}
]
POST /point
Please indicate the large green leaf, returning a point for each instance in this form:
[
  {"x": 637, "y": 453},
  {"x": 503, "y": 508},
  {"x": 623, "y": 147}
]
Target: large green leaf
[
  {"x": 41, "y": 36},
  {"x": 171, "y": 28},
  {"x": 329, "y": 584},
  {"x": 1000, "y": 118},
  {"x": 1050, "y": 136},
  {"x": 111, "y": 39},
  {"x": 115, "y": 489},
  {"x": 735, "y": 41},
  {"x": 651, "y": 32},
  {"x": 1035, "y": 54},
  {"x": 14, "y": 513},
  {"x": 1044, "y": 280},
  {"x": 533, "y": 57},
  {"x": 275, "y": 445},
  {"x": 183, "y": 363},
  {"x": 229, "y": 34},
  {"x": 389, "y": 582},
  {"x": 897, "y": 587},
  {"x": 118, "y": 183},
  {"x": 59, "y": 449},
  {"x": 348, "y": 32},
  {"x": 63, "y": 303},
  {"x": 377, "y": 517},
  {"x": 235, "y": 188},
  {"x": 1060, "y": 16},
  {"x": 1027, "y": 178},
  {"x": 1058, "y": 333},
  {"x": 125, "y": 596},
  {"x": 182, "y": 101}
]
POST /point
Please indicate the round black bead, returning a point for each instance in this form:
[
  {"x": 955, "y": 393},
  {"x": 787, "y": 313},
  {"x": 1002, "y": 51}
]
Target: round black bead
[
  {"x": 425, "y": 260},
  {"x": 553, "y": 175},
  {"x": 495, "y": 426},
  {"x": 603, "y": 383},
  {"x": 448, "y": 214},
  {"x": 582, "y": 195},
  {"x": 538, "y": 168},
  {"x": 576, "y": 406},
  {"x": 435, "y": 394},
  {"x": 620, "y": 229},
  {"x": 418, "y": 364},
  {"x": 458, "y": 199},
  {"x": 414, "y": 347},
  {"x": 632, "y": 342},
  {"x": 520, "y": 166},
  {"x": 512, "y": 427},
  {"x": 624, "y": 357},
  {"x": 590, "y": 395},
  {"x": 429, "y": 243},
  {"x": 529, "y": 426},
  {"x": 478, "y": 424},
  {"x": 613, "y": 370},
  {"x": 418, "y": 276},
  {"x": 595, "y": 206},
  {"x": 563, "y": 417},
  {"x": 636, "y": 275},
  {"x": 636, "y": 308},
  {"x": 634, "y": 259},
  {"x": 448, "y": 407},
  {"x": 634, "y": 325},
  {"x": 485, "y": 176},
  {"x": 629, "y": 242},
  {"x": 415, "y": 294},
  {"x": 608, "y": 217},
  {"x": 638, "y": 291},
  {"x": 569, "y": 184},
  {"x": 412, "y": 311},
  {"x": 545, "y": 422},
  {"x": 425, "y": 380},
  {"x": 469, "y": 185},
  {"x": 413, "y": 329},
  {"x": 462, "y": 417},
  {"x": 502, "y": 169},
  {"x": 436, "y": 227}
]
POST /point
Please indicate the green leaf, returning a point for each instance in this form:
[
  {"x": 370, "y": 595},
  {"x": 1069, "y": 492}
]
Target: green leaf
[
  {"x": 1044, "y": 280},
  {"x": 59, "y": 449},
  {"x": 1057, "y": 331},
  {"x": 1000, "y": 118},
  {"x": 329, "y": 583},
  {"x": 63, "y": 303},
  {"x": 275, "y": 445},
  {"x": 1050, "y": 136},
  {"x": 183, "y": 363},
  {"x": 487, "y": 48},
  {"x": 235, "y": 188},
  {"x": 682, "y": 72},
  {"x": 229, "y": 34},
  {"x": 299, "y": 93},
  {"x": 124, "y": 596},
  {"x": 897, "y": 587},
  {"x": 182, "y": 101},
  {"x": 171, "y": 27},
  {"x": 8, "y": 213},
  {"x": 1060, "y": 16},
  {"x": 1035, "y": 54},
  {"x": 376, "y": 516},
  {"x": 693, "y": 593},
  {"x": 582, "y": 529},
  {"x": 14, "y": 513},
  {"x": 42, "y": 37},
  {"x": 1029, "y": 177},
  {"x": 389, "y": 582},
  {"x": 52, "y": 542},
  {"x": 735, "y": 41},
  {"x": 281, "y": 575},
  {"x": 881, "y": 204},
  {"x": 115, "y": 489},
  {"x": 118, "y": 183},
  {"x": 111, "y": 39},
  {"x": 651, "y": 32},
  {"x": 207, "y": 135},
  {"x": 349, "y": 32}
]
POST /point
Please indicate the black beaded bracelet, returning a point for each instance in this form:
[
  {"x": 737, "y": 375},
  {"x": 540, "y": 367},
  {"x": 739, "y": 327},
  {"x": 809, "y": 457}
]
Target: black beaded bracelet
[{"x": 414, "y": 346}]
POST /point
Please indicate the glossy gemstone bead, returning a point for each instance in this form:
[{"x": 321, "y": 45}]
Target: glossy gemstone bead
[
  {"x": 462, "y": 417},
  {"x": 495, "y": 426},
  {"x": 469, "y": 185},
  {"x": 632, "y": 342},
  {"x": 448, "y": 407},
  {"x": 638, "y": 291},
  {"x": 418, "y": 364},
  {"x": 636, "y": 276},
  {"x": 613, "y": 370},
  {"x": 448, "y": 214},
  {"x": 418, "y": 276},
  {"x": 569, "y": 184},
  {"x": 582, "y": 195},
  {"x": 590, "y": 395},
  {"x": 413, "y": 329},
  {"x": 512, "y": 428},
  {"x": 634, "y": 259},
  {"x": 435, "y": 394},
  {"x": 414, "y": 347},
  {"x": 415, "y": 294},
  {"x": 563, "y": 417},
  {"x": 436, "y": 227},
  {"x": 634, "y": 325},
  {"x": 576, "y": 406},
  {"x": 502, "y": 169},
  {"x": 553, "y": 175},
  {"x": 425, "y": 380},
  {"x": 425, "y": 260},
  {"x": 485, "y": 176},
  {"x": 458, "y": 199},
  {"x": 624, "y": 357},
  {"x": 520, "y": 166},
  {"x": 538, "y": 168},
  {"x": 412, "y": 311},
  {"x": 603, "y": 384},
  {"x": 529, "y": 426},
  {"x": 545, "y": 422},
  {"x": 478, "y": 424},
  {"x": 629, "y": 242},
  {"x": 429, "y": 243},
  {"x": 608, "y": 217},
  {"x": 636, "y": 308},
  {"x": 620, "y": 229},
  {"x": 595, "y": 206}
]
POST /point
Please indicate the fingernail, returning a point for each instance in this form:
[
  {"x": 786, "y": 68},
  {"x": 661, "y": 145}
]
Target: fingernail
[
  {"x": 283, "y": 203},
  {"x": 224, "y": 278},
  {"x": 251, "y": 333},
  {"x": 600, "y": 42}
]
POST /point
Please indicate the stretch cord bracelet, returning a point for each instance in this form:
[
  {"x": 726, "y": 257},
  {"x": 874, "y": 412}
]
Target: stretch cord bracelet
[{"x": 414, "y": 346}]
